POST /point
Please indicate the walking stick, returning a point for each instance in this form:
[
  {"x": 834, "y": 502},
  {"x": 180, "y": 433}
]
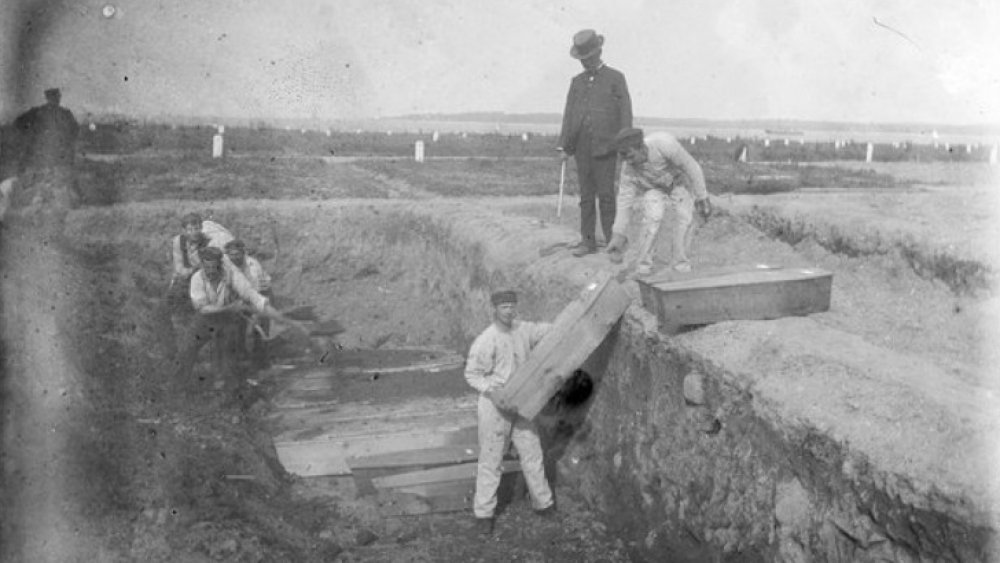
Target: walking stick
[{"x": 562, "y": 184}]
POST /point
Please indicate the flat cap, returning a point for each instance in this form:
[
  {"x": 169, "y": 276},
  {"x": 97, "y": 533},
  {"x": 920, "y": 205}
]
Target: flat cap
[
  {"x": 210, "y": 254},
  {"x": 503, "y": 296},
  {"x": 627, "y": 137}
]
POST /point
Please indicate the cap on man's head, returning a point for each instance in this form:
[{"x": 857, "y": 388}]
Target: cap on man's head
[
  {"x": 236, "y": 243},
  {"x": 52, "y": 93},
  {"x": 210, "y": 254},
  {"x": 586, "y": 44},
  {"x": 627, "y": 138},
  {"x": 191, "y": 219},
  {"x": 503, "y": 296}
]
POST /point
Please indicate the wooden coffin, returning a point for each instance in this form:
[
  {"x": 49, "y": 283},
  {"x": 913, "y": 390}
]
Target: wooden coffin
[
  {"x": 751, "y": 292},
  {"x": 576, "y": 333},
  {"x": 369, "y": 403}
]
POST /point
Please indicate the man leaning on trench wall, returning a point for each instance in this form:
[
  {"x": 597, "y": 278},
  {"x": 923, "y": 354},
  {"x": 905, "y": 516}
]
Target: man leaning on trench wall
[{"x": 598, "y": 106}]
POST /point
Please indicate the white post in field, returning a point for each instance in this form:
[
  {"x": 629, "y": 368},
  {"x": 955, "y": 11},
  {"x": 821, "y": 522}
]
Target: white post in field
[
  {"x": 993, "y": 154},
  {"x": 786, "y": 142},
  {"x": 418, "y": 151},
  {"x": 435, "y": 136},
  {"x": 217, "y": 146},
  {"x": 870, "y": 152},
  {"x": 329, "y": 133},
  {"x": 524, "y": 137},
  {"x": 692, "y": 141},
  {"x": 767, "y": 142}
]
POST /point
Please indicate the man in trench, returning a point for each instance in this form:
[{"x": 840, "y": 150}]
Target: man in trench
[
  {"x": 657, "y": 171},
  {"x": 185, "y": 248},
  {"x": 494, "y": 356},
  {"x": 256, "y": 326},
  {"x": 220, "y": 294}
]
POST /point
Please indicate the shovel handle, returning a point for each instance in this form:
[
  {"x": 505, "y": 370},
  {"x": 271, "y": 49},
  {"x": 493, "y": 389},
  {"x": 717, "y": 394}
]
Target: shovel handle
[{"x": 562, "y": 185}]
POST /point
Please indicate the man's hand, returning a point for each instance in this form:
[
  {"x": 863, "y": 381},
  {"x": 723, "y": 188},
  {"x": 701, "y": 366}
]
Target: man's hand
[
  {"x": 617, "y": 243},
  {"x": 563, "y": 155},
  {"x": 704, "y": 208}
]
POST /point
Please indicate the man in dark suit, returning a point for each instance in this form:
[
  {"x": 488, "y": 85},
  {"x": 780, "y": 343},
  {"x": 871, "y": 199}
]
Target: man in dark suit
[
  {"x": 47, "y": 136},
  {"x": 598, "y": 106}
]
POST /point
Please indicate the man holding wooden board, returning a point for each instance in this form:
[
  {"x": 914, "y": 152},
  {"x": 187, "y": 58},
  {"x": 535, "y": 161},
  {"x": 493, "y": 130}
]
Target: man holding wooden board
[{"x": 493, "y": 357}]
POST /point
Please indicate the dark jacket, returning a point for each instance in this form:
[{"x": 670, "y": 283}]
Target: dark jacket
[
  {"x": 598, "y": 107},
  {"x": 48, "y": 136}
]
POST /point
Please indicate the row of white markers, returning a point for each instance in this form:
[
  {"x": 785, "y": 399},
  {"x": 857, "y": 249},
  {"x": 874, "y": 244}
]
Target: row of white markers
[{"x": 419, "y": 147}]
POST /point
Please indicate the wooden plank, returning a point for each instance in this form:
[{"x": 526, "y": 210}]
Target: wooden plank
[
  {"x": 329, "y": 456},
  {"x": 750, "y": 294},
  {"x": 440, "y": 455},
  {"x": 323, "y": 424},
  {"x": 444, "y": 497},
  {"x": 384, "y": 388},
  {"x": 395, "y": 503},
  {"x": 577, "y": 331},
  {"x": 670, "y": 275},
  {"x": 460, "y": 472}
]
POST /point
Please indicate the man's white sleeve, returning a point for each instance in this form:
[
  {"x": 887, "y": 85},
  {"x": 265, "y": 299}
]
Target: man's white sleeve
[
  {"x": 626, "y": 195},
  {"x": 479, "y": 364},
  {"x": 245, "y": 289}
]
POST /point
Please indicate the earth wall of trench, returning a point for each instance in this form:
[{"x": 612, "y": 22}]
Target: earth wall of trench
[
  {"x": 782, "y": 440},
  {"x": 740, "y": 441}
]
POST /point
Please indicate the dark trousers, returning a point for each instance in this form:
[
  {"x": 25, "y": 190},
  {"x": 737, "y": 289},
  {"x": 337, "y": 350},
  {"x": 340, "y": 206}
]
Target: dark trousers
[
  {"x": 224, "y": 331},
  {"x": 597, "y": 185}
]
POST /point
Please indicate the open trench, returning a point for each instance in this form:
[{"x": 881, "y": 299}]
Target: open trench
[{"x": 740, "y": 441}]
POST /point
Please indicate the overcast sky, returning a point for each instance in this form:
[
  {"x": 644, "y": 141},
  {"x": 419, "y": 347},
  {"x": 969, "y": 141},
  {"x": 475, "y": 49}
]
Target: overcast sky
[{"x": 843, "y": 60}]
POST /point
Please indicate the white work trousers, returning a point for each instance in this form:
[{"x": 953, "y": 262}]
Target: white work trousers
[
  {"x": 654, "y": 205},
  {"x": 496, "y": 429}
]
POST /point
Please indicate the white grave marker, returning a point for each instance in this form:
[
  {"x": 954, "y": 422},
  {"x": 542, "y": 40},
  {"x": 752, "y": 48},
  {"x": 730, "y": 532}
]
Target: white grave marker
[
  {"x": 435, "y": 137},
  {"x": 217, "y": 146},
  {"x": 418, "y": 151},
  {"x": 870, "y": 152}
]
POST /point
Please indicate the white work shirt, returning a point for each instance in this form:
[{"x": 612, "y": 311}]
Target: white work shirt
[
  {"x": 668, "y": 165},
  {"x": 231, "y": 287},
  {"x": 255, "y": 274},
  {"x": 497, "y": 353},
  {"x": 217, "y": 235}
]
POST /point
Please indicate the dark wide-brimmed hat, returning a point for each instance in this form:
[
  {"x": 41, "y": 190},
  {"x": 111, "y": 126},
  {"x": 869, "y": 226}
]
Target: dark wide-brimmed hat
[
  {"x": 627, "y": 137},
  {"x": 503, "y": 296},
  {"x": 586, "y": 44}
]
